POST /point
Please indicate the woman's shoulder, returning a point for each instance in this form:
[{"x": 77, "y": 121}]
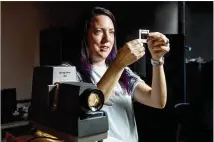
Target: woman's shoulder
[
  {"x": 132, "y": 74},
  {"x": 129, "y": 71}
]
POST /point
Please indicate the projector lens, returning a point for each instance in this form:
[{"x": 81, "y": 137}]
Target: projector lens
[{"x": 92, "y": 99}]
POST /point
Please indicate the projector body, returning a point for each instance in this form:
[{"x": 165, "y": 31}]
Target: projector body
[{"x": 57, "y": 109}]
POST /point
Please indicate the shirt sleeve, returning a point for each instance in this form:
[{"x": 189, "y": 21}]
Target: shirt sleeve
[{"x": 134, "y": 80}]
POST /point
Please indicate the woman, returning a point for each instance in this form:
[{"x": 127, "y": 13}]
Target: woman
[{"x": 102, "y": 65}]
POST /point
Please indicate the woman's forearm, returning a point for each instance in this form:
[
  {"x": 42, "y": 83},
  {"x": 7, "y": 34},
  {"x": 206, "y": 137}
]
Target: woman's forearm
[
  {"x": 159, "y": 91},
  {"x": 109, "y": 80}
]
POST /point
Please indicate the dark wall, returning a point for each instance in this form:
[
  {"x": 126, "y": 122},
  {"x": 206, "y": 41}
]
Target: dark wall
[{"x": 199, "y": 29}]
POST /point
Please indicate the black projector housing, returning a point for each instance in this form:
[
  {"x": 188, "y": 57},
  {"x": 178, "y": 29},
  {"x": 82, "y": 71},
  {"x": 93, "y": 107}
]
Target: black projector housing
[{"x": 58, "y": 105}]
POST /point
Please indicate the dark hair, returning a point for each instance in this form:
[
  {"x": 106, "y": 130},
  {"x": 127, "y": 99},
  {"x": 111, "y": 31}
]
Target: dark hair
[{"x": 85, "y": 66}]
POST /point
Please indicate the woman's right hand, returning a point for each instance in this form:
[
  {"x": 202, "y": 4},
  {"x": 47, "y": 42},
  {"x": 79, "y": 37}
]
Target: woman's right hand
[{"x": 130, "y": 53}]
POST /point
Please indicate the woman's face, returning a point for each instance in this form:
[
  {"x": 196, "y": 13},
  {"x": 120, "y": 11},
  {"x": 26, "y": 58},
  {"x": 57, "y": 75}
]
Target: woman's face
[{"x": 100, "y": 38}]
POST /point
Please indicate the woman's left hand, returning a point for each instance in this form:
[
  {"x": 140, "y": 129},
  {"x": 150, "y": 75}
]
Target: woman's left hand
[{"x": 158, "y": 45}]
